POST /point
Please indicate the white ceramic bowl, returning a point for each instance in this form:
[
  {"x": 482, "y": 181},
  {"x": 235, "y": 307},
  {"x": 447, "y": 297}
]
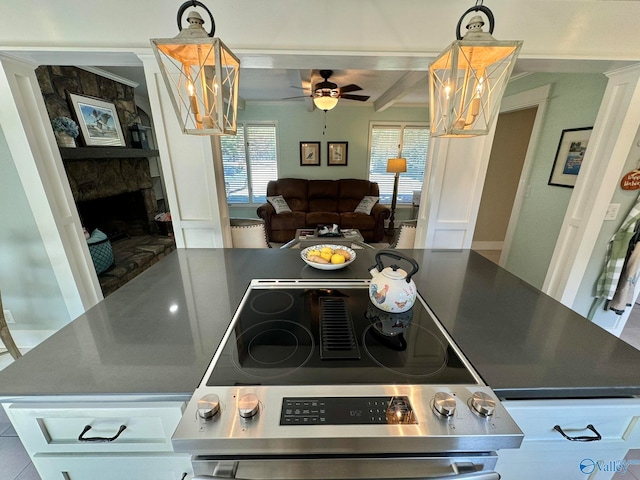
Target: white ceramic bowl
[{"x": 328, "y": 266}]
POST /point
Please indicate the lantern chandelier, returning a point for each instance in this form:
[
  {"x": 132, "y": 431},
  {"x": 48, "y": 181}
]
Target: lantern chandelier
[
  {"x": 467, "y": 81},
  {"x": 201, "y": 75}
]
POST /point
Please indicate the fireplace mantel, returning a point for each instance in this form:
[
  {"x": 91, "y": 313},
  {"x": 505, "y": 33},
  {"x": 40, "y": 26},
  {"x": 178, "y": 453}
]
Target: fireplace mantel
[{"x": 83, "y": 153}]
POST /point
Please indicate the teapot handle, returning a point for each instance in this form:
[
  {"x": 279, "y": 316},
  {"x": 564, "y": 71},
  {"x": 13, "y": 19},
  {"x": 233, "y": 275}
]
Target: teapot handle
[{"x": 397, "y": 256}]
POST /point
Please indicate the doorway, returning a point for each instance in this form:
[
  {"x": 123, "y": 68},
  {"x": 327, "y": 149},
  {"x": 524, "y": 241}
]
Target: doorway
[{"x": 506, "y": 162}]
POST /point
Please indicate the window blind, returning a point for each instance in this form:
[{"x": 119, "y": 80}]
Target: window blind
[
  {"x": 250, "y": 161},
  {"x": 389, "y": 141}
]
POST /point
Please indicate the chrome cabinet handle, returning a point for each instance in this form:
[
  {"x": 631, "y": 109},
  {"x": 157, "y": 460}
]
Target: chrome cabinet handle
[
  {"x": 82, "y": 438},
  {"x": 597, "y": 437}
]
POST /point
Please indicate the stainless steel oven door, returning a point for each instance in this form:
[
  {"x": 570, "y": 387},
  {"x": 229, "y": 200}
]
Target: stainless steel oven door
[{"x": 450, "y": 467}]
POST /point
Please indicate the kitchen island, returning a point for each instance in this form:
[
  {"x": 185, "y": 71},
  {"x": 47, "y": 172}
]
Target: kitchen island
[{"x": 150, "y": 342}]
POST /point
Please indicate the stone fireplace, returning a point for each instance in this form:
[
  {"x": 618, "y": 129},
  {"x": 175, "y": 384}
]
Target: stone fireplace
[
  {"x": 112, "y": 186},
  {"x": 114, "y": 195}
]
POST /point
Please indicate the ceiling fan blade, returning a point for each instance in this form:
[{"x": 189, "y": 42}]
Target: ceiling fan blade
[
  {"x": 349, "y": 88},
  {"x": 299, "y": 96},
  {"x": 360, "y": 98}
]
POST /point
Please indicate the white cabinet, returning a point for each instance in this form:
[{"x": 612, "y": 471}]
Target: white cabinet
[
  {"x": 545, "y": 453},
  {"x": 95, "y": 440}
]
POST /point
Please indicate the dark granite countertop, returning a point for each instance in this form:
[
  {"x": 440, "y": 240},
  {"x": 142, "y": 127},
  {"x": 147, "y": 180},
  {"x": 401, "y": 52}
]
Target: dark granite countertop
[{"x": 154, "y": 337}]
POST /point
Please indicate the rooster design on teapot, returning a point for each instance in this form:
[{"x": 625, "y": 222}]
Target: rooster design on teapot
[{"x": 391, "y": 288}]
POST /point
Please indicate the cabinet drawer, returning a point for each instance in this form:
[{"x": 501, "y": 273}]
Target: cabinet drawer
[
  {"x": 537, "y": 464},
  {"x": 109, "y": 467},
  {"x": 51, "y": 428},
  {"x": 616, "y": 420}
]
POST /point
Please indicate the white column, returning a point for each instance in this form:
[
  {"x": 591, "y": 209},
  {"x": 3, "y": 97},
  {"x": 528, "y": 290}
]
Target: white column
[
  {"x": 30, "y": 138},
  {"x": 613, "y": 135},
  {"x": 192, "y": 169},
  {"x": 452, "y": 190}
]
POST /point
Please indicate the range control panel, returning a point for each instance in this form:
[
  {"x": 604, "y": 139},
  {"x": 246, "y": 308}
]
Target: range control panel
[{"x": 347, "y": 411}]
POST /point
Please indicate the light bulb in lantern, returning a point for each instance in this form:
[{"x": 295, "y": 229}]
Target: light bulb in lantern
[{"x": 192, "y": 97}]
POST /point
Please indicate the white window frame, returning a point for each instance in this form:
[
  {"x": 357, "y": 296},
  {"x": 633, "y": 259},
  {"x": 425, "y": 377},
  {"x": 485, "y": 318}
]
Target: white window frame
[
  {"x": 402, "y": 125},
  {"x": 250, "y": 193}
]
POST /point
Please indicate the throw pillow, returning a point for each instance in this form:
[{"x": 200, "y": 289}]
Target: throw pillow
[
  {"x": 366, "y": 204},
  {"x": 101, "y": 251},
  {"x": 279, "y": 203}
]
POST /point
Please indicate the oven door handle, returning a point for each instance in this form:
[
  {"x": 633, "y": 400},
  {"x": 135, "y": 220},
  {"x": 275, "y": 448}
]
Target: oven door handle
[{"x": 460, "y": 471}]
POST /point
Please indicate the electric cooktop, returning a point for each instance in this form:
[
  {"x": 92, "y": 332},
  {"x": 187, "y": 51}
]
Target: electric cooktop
[{"x": 297, "y": 333}]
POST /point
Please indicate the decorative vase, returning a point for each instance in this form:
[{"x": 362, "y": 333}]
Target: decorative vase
[{"x": 65, "y": 140}]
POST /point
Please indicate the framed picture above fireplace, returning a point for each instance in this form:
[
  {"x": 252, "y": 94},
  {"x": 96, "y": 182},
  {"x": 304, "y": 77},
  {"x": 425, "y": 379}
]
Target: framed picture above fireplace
[{"x": 98, "y": 120}]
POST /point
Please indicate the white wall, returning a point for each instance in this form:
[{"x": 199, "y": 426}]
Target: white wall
[
  {"x": 24, "y": 264},
  {"x": 574, "y": 103}
]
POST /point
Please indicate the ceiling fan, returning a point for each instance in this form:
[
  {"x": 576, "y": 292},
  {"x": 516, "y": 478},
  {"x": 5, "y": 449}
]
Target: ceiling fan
[{"x": 325, "y": 94}]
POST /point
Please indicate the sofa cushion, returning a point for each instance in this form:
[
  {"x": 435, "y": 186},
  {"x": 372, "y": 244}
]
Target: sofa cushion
[
  {"x": 323, "y": 195},
  {"x": 289, "y": 221},
  {"x": 294, "y": 190},
  {"x": 280, "y": 205},
  {"x": 352, "y": 190},
  {"x": 360, "y": 221},
  {"x": 366, "y": 204},
  {"x": 316, "y": 218}
]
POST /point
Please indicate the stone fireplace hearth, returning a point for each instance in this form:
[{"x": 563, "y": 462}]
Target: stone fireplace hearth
[{"x": 115, "y": 195}]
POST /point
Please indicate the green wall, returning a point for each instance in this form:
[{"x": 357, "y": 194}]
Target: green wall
[
  {"x": 27, "y": 281},
  {"x": 626, "y": 199},
  {"x": 574, "y": 103},
  {"x": 349, "y": 123}
]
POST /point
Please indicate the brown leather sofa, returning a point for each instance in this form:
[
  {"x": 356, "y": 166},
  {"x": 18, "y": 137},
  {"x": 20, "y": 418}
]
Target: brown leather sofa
[{"x": 314, "y": 202}]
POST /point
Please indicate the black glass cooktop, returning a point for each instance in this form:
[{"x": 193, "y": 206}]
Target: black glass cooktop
[{"x": 302, "y": 336}]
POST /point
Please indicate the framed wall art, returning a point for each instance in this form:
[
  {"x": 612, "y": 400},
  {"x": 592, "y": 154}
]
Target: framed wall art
[
  {"x": 566, "y": 166},
  {"x": 337, "y": 153},
  {"x": 309, "y": 154},
  {"x": 98, "y": 121}
]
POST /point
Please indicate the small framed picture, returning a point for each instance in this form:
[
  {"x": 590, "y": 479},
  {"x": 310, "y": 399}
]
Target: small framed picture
[
  {"x": 566, "y": 166},
  {"x": 337, "y": 153},
  {"x": 309, "y": 154},
  {"x": 98, "y": 121}
]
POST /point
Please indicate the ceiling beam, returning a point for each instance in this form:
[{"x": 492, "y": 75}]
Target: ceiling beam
[{"x": 399, "y": 89}]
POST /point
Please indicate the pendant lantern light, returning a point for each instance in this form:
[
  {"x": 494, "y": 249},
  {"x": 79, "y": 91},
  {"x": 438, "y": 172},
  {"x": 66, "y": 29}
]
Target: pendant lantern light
[
  {"x": 201, "y": 75},
  {"x": 467, "y": 81}
]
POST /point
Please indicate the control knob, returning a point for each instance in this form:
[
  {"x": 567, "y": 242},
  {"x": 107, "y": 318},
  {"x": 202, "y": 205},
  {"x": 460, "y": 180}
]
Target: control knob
[
  {"x": 208, "y": 406},
  {"x": 444, "y": 404},
  {"x": 248, "y": 405},
  {"x": 482, "y": 404}
]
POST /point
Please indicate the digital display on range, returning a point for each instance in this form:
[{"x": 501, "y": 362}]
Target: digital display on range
[{"x": 347, "y": 411}]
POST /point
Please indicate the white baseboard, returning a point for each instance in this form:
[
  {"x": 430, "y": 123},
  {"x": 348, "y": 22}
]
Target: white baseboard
[
  {"x": 489, "y": 245},
  {"x": 29, "y": 338}
]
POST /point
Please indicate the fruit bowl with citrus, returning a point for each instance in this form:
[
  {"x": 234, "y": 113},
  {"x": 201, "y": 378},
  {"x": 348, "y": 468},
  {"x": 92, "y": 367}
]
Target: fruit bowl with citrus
[{"x": 328, "y": 257}]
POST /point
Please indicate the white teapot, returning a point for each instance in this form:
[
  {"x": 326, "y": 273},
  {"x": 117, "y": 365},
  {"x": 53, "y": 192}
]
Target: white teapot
[{"x": 391, "y": 288}]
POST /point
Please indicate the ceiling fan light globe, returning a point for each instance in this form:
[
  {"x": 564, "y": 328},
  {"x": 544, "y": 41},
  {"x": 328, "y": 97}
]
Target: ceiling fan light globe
[{"x": 325, "y": 102}]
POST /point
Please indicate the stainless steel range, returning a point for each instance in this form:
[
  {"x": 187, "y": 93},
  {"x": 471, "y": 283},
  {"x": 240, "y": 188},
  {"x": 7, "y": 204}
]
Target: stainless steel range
[{"x": 312, "y": 381}]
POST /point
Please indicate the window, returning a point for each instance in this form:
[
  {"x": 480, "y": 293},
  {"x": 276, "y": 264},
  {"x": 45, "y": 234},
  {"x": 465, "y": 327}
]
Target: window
[
  {"x": 250, "y": 160},
  {"x": 383, "y": 144}
]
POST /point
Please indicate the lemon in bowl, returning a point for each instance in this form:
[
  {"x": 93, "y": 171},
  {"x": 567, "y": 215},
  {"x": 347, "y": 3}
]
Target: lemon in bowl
[{"x": 328, "y": 257}]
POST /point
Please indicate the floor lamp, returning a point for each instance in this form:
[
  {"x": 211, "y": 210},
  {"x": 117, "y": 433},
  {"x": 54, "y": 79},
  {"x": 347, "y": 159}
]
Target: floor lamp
[{"x": 395, "y": 165}]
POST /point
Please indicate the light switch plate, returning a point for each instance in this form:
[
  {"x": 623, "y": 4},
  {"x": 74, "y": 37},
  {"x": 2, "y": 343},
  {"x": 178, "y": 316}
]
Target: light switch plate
[{"x": 612, "y": 211}]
